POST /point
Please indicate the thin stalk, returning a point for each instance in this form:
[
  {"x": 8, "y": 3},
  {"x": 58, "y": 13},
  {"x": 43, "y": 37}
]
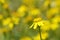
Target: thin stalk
[{"x": 40, "y": 33}]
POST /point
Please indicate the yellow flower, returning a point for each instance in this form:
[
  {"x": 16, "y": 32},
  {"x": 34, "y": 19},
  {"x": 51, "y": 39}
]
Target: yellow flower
[
  {"x": 46, "y": 3},
  {"x": 43, "y": 24},
  {"x": 28, "y": 2},
  {"x": 10, "y": 25},
  {"x": 6, "y": 21},
  {"x": 44, "y": 35},
  {"x": 15, "y": 14},
  {"x": 1, "y": 16},
  {"x": 5, "y": 30},
  {"x": 51, "y": 12},
  {"x": 5, "y": 5},
  {"x": 36, "y": 23},
  {"x": 1, "y": 30},
  {"x": 34, "y": 12},
  {"x": 21, "y": 10},
  {"x": 15, "y": 20},
  {"x": 27, "y": 19},
  {"x": 46, "y": 25},
  {"x": 37, "y": 37},
  {"x": 56, "y": 19},
  {"x": 57, "y": 2},
  {"x": 25, "y": 38},
  {"x": 54, "y": 26},
  {"x": 2, "y": 1}
]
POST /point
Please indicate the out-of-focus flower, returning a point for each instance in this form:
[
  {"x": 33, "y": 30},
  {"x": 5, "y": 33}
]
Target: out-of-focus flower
[
  {"x": 5, "y": 5},
  {"x": 28, "y": 2},
  {"x": 57, "y": 2},
  {"x": 21, "y": 10},
  {"x": 5, "y": 29},
  {"x": 15, "y": 14},
  {"x": 34, "y": 12},
  {"x": 25, "y": 38},
  {"x": 10, "y": 25},
  {"x": 2, "y": 1},
  {"x": 56, "y": 19},
  {"x": 54, "y": 26},
  {"x": 44, "y": 35},
  {"x": 6, "y": 21},
  {"x": 46, "y": 4},
  {"x": 45, "y": 26},
  {"x": 51, "y": 12},
  {"x": 27, "y": 19},
  {"x": 1, "y": 30},
  {"x": 15, "y": 20},
  {"x": 1, "y": 16},
  {"x": 37, "y": 37}
]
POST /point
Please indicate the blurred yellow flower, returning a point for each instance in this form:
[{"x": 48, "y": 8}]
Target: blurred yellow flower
[
  {"x": 56, "y": 19},
  {"x": 37, "y": 37},
  {"x": 44, "y": 35},
  {"x": 21, "y": 10},
  {"x": 6, "y": 21},
  {"x": 27, "y": 19},
  {"x": 45, "y": 26},
  {"x": 5, "y": 5},
  {"x": 54, "y": 26},
  {"x": 15, "y": 14},
  {"x": 1, "y": 30},
  {"x": 28, "y": 2},
  {"x": 1, "y": 16},
  {"x": 2, "y": 1},
  {"x": 51, "y": 12},
  {"x": 57, "y": 3},
  {"x": 5, "y": 29},
  {"x": 15, "y": 20},
  {"x": 34, "y": 12},
  {"x": 10, "y": 25},
  {"x": 25, "y": 38},
  {"x": 46, "y": 3}
]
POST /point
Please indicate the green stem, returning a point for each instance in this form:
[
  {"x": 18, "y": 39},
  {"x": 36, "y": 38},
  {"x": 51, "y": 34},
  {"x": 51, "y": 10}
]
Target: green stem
[{"x": 40, "y": 33}]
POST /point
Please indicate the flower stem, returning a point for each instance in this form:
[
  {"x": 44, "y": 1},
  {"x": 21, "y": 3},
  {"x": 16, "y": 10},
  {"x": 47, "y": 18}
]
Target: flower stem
[{"x": 40, "y": 32}]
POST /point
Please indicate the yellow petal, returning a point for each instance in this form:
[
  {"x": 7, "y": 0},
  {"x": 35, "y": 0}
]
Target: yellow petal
[
  {"x": 35, "y": 26},
  {"x": 10, "y": 25},
  {"x": 31, "y": 25}
]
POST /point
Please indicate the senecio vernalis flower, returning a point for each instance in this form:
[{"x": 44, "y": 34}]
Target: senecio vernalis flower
[
  {"x": 44, "y": 25},
  {"x": 36, "y": 23}
]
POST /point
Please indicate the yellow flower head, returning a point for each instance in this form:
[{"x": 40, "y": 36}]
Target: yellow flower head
[
  {"x": 6, "y": 21},
  {"x": 46, "y": 3},
  {"x": 51, "y": 12},
  {"x": 54, "y": 26},
  {"x": 28, "y": 2},
  {"x": 10, "y": 25},
  {"x": 56, "y": 19},
  {"x": 5, "y": 5},
  {"x": 36, "y": 23},
  {"x": 1, "y": 16},
  {"x": 44, "y": 35},
  {"x": 21, "y": 10},
  {"x": 45, "y": 26},
  {"x": 25, "y": 38},
  {"x": 37, "y": 37},
  {"x": 2, "y": 1},
  {"x": 34, "y": 12},
  {"x": 15, "y": 20}
]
